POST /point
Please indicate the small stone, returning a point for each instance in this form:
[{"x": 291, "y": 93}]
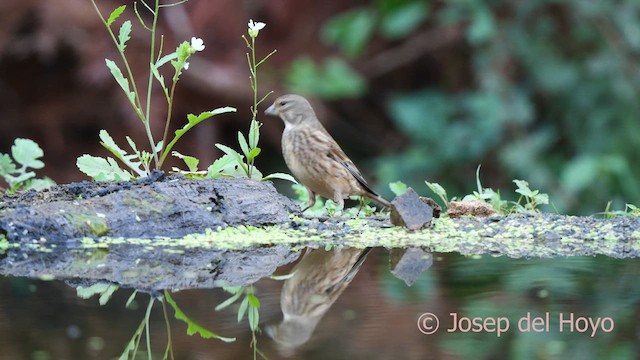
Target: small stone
[
  {"x": 410, "y": 211},
  {"x": 457, "y": 209}
]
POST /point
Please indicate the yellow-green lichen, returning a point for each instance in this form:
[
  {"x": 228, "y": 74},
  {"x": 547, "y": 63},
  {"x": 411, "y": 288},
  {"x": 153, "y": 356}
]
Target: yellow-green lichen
[{"x": 94, "y": 224}]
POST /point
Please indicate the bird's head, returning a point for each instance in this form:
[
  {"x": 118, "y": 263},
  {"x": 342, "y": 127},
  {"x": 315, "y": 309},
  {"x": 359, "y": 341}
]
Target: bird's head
[{"x": 292, "y": 109}]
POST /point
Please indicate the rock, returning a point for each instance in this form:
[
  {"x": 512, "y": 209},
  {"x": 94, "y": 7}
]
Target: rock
[
  {"x": 407, "y": 264},
  {"x": 410, "y": 211},
  {"x": 471, "y": 208}
]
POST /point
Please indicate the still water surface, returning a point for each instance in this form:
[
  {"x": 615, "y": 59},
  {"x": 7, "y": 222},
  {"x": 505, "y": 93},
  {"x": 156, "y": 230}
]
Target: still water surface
[{"x": 486, "y": 308}]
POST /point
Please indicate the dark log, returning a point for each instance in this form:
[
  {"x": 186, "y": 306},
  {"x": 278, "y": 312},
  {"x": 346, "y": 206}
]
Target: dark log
[{"x": 178, "y": 233}]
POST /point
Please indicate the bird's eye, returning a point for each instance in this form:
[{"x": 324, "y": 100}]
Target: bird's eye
[{"x": 282, "y": 103}]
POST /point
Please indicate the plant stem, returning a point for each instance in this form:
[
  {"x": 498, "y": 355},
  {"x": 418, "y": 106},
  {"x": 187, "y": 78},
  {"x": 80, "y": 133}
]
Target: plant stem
[
  {"x": 137, "y": 106},
  {"x": 146, "y": 317},
  {"x": 254, "y": 86},
  {"x": 168, "y": 121},
  {"x": 147, "y": 121},
  {"x": 166, "y": 320},
  {"x": 255, "y": 79}
]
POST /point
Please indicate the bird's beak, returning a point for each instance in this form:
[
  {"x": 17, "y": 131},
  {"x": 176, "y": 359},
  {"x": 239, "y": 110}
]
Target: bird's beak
[{"x": 271, "y": 110}]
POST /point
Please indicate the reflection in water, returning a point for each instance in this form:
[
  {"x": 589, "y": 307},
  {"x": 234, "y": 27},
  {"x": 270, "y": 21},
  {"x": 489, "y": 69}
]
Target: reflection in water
[
  {"x": 376, "y": 318},
  {"x": 317, "y": 281}
]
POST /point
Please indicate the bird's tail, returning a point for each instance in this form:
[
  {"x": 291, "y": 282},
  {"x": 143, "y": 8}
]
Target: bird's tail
[{"x": 380, "y": 200}]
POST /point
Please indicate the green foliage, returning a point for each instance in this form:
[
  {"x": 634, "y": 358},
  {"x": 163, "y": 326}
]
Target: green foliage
[
  {"x": 349, "y": 30},
  {"x": 330, "y": 207},
  {"x": 4, "y": 244},
  {"x": 399, "y": 17},
  {"x": 105, "y": 291},
  {"x": 439, "y": 191},
  {"x": 630, "y": 210},
  {"x": 17, "y": 172},
  {"x": 489, "y": 195},
  {"x": 532, "y": 198},
  {"x": 332, "y": 79},
  {"x": 232, "y": 163},
  {"x": 142, "y": 162},
  {"x": 192, "y": 326},
  {"x": 398, "y": 187},
  {"x": 250, "y": 306},
  {"x": 544, "y": 91}
]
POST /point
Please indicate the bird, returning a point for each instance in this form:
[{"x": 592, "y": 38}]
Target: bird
[
  {"x": 315, "y": 284},
  {"x": 315, "y": 158}
]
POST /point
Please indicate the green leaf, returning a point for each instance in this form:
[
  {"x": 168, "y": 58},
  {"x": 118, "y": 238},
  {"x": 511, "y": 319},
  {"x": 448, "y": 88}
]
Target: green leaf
[
  {"x": 21, "y": 177},
  {"x": 107, "y": 141},
  {"x": 160, "y": 78},
  {"x": 193, "y": 327},
  {"x": 253, "y": 153},
  {"x": 253, "y": 301},
  {"x": 254, "y": 134},
  {"x": 132, "y": 345},
  {"x": 121, "y": 80},
  {"x": 165, "y": 59},
  {"x": 6, "y": 165},
  {"x": 398, "y": 187},
  {"x": 27, "y": 152},
  {"x": 229, "y": 301},
  {"x": 281, "y": 176},
  {"x": 243, "y": 308},
  {"x": 401, "y": 20},
  {"x": 104, "y": 290},
  {"x": 349, "y": 30},
  {"x": 40, "y": 184},
  {"x": 124, "y": 35},
  {"x": 234, "y": 154},
  {"x": 131, "y": 298},
  {"x": 254, "y": 317},
  {"x": 192, "y": 162},
  {"x": 219, "y": 166},
  {"x": 115, "y": 14},
  {"x": 109, "y": 144},
  {"x": 334, "y": 79},
  {"x": 438, "y": 190},
  {"x": 102, "y": 170},
  {"x": 183, "y": 51},
  {"x": 193, "y": 121},
  {"x": 243, "y": 144},
  {"x": 482, "y": 27},
  {"x": 523, "y": 188}
]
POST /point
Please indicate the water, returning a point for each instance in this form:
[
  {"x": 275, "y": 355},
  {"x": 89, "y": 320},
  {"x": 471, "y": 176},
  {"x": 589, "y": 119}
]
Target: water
[{"x": 563, "y": 308}]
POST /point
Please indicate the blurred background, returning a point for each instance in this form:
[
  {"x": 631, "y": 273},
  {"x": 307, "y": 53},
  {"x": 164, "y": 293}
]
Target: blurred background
[
  {"x": 413, "y": 90},
  {"x": 545, "y": 91}
]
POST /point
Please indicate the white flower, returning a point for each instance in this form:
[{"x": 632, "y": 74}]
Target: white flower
[
  {"x": 197, "y": 44},
  {"x": 254, "y": 28},
  {"x": 186, "y": 66}
]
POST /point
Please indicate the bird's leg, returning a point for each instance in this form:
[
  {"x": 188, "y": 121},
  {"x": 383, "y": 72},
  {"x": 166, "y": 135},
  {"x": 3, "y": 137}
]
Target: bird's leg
[
  {"x": 339, "y": 200},
  {"x": 311, "y": 199},
  {"x": 361, "y": 200}
]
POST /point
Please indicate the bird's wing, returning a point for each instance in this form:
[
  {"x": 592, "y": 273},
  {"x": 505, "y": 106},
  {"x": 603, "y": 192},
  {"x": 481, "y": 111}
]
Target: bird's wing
[
  {"x": 346, "y": 279},
  {"x": 335, "y": 153}
]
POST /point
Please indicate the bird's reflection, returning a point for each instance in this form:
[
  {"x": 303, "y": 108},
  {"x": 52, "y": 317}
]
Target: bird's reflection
[{"x": 317, "y": 281}]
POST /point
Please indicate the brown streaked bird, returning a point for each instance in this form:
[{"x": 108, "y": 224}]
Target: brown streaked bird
[{"x": 314, "y": 157}]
